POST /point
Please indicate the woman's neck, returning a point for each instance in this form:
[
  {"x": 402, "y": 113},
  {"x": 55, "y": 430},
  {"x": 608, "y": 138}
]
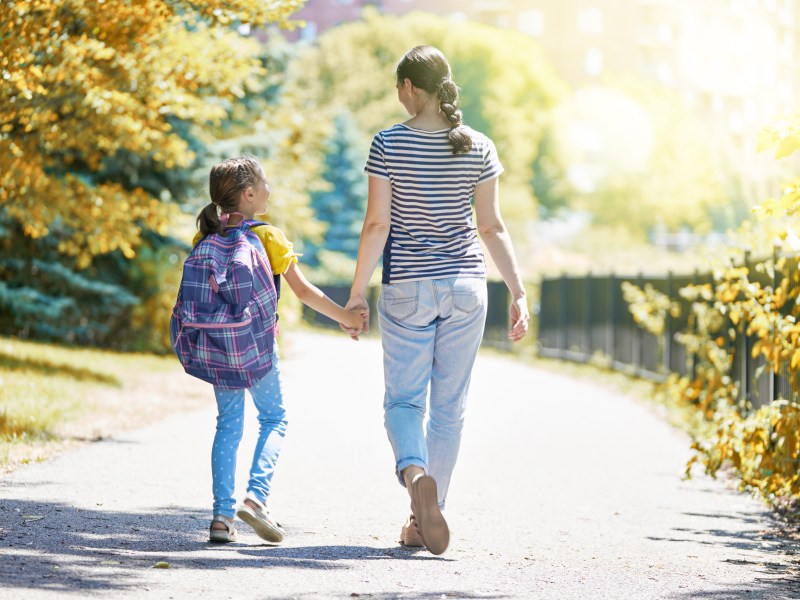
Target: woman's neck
[{"x": 429, "y": 117}]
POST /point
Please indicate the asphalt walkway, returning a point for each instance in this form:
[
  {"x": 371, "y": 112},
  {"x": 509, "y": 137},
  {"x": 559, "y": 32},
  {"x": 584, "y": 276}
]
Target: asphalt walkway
[{"x": 564, "y": 489}]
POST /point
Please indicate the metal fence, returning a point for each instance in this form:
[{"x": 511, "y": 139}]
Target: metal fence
[
  {"x": 496, "y": 317},
  {"x": 586, "y": 318}
]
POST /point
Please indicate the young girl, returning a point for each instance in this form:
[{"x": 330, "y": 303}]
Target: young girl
[{"x": 239, "y": 190}]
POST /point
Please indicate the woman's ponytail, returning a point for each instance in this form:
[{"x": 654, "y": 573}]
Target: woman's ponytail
[
  {"x": 460, "y": 140},
  {"x": 428, "y": 69}
]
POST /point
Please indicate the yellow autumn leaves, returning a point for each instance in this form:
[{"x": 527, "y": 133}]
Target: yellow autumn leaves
[
  {"x": 760, "y": 301},
  {"x": 85, "y": 81}
]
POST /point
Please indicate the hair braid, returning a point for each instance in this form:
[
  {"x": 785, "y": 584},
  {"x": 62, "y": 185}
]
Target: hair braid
[{"x": 449, "y": 105}]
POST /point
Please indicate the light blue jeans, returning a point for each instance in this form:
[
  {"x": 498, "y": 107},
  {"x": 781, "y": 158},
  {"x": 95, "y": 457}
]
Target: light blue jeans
[
  {"x": 431, "y": 331},
  {"x": 267, "y": 395}
]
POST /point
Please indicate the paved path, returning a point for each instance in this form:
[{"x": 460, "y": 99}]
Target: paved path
[{"x": 563, "y": 490}]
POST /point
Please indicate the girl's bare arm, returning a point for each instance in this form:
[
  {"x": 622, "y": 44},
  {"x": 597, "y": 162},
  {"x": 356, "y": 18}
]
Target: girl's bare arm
[{"x": 312, "y": 296}]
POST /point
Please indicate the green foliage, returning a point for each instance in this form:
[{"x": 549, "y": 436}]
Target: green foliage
[
  {"x": 117, "y": 302},
  {"x": 762, "y": 447},
  {"x": 639, "y": 159},
  {"x": 783, "y": 137},
  {"x": 649, "y": 307},
  {"x": 83, "y": 85},
  {"x": 342, "y": 206},
  {"x": 762, "y": 302},
  {"x": 106, "y": 115},
  {"x": 550, "y": 182},
  {"x": 273, "y": 125},
  {"x": 508, "y": 86}
]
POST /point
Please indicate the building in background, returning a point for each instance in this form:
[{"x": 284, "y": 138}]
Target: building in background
[{"x": 733, "y": 62}]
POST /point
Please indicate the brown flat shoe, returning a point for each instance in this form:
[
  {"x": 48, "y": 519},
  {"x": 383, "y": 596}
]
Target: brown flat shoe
[
  {"x": 409, "y": 536},
  {"x": 430, "y": 522}
]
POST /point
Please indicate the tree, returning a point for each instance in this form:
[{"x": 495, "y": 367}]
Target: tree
[
  {"x": 106, "y": 112},
  {"x": 342, "y": 206},
  {"x": 508, "y": 85},
  {"x": 638, "y": 159},
  {"x": 550, "y": 182},
  {"x": 85, "y": 83}
]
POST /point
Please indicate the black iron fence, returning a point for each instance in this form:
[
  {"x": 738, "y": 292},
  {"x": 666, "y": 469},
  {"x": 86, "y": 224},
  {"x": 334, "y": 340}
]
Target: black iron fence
[
  {"x": 587, "y": 319},
  {"x": 496, "y": 317}
]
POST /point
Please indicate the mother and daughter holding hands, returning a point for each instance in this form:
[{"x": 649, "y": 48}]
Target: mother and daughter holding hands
[{"x": 424, "y": 175}]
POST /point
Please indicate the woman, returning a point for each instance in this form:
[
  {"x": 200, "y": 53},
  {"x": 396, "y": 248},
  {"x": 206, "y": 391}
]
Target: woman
[{"x": 432, "y": 307}]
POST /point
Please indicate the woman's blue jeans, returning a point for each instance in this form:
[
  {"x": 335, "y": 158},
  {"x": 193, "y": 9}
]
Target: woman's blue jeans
[
  {"x": 267, "y": 395},
  {"x": 431, "y": 331}
]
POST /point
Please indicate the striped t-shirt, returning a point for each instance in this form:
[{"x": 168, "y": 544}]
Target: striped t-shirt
[{"x": 432, "y": 234}]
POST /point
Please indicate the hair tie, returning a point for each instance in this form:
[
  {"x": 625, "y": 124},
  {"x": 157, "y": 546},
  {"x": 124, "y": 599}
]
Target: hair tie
[{"x": 222, "y": 216}]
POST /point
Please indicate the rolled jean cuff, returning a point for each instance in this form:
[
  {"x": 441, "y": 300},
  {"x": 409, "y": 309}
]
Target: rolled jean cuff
[
  {"x": 225, "y": 512},
  {"x": 407, "y": 462}
]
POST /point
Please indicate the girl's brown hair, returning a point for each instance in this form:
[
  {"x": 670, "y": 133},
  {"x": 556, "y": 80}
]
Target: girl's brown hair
[
  {"x": 427, "y": 68},
  {"x": 226, "y": 182}
]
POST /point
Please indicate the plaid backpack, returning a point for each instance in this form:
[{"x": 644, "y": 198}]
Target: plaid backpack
[{"x": 223, "y": 323}]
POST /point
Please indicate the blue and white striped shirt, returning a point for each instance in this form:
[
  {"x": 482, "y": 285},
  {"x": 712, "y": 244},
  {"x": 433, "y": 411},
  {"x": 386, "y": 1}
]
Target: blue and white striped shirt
[{"x": 432, "y": 232}]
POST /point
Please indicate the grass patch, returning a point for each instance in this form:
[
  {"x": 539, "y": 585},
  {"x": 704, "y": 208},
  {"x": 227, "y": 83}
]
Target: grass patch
[{"x": 51, "y": 395}]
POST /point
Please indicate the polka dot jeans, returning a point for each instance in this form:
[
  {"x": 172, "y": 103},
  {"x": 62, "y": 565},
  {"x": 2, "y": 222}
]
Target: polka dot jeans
[{"x": 267, "y": 395}]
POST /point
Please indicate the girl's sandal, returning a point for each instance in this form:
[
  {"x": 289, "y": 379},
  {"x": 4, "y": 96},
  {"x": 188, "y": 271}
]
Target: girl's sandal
[{"x": 222, "y": 535}]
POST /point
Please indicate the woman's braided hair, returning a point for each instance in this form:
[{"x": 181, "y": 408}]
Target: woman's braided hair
[{"x": 427, "y": 68}]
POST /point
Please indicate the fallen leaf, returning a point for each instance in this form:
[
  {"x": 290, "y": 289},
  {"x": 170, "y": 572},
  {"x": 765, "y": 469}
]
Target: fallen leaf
[
  {"x": 161, "y": 565},
  {"x": 32, "y": 517}
]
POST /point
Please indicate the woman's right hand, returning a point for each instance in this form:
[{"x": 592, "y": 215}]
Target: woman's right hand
[
  {"x": 359, "y": 306},
  {"x": 518, "y": 311},
  {"x": 354, "y": 324}
]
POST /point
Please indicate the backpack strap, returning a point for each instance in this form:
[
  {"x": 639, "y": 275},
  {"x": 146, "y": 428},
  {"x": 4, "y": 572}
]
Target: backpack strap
[{"x": 252, "y": 224}]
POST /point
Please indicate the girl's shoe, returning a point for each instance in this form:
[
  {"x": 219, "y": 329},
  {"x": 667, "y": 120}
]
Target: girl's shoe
[
  {"x": 409, "y": 536},
  {"x": 262, "y": 523},
  {"x": 430, "y": 522},
  {"x": 222, "y": 535}
]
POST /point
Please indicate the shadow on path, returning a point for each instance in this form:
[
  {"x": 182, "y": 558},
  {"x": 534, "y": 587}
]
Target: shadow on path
[
  {"x": 780, "y": 580},
  {"x": 58, "y": 547},
  {"x": 766, "y": 589},
  {"x": 441, "y": 594}
]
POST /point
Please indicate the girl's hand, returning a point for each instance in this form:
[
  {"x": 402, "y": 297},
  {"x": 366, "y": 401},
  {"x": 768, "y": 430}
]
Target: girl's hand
[
  {"x": 518, "y": 311},
  {"x": 354, "y": 323},
  {"x": 359, "y": 306}
]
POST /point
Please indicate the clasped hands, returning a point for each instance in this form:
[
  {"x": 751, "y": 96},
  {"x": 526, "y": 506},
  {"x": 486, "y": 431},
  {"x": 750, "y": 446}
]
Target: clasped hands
[{"x": 359, "y": 306}]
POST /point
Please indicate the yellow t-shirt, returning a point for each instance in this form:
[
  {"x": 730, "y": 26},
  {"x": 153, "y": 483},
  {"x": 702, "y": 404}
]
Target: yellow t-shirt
[{"x": 280, "y": 250}]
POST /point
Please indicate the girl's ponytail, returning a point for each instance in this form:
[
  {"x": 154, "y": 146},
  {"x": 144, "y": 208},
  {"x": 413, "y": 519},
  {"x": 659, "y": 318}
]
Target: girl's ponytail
[
  {"x": 208, "y": 220},
  {"x": 226, "y": 182},
  {"x": 460, "y": 140}
]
